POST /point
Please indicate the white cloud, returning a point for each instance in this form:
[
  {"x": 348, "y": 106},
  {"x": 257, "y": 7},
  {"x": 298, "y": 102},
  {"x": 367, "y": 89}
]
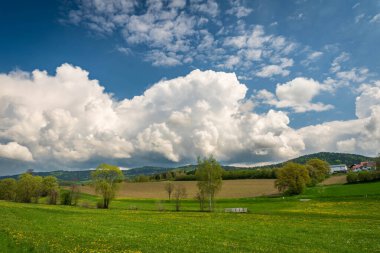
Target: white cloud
[
  {"x": 62, "y": 117},
  {"x": 359, "y": 17},
  {"x": 312, "y": 57},
  {"x": 375, "y": 19},
  {"x": 361, "y": 135},
  {"x": 296, "y": 94},
  {"x": 13, "y": 150},
  {"x": 238, "y": 9},
  {"x": 354, "y": 75},
  {"x": 368, "y": 99},
  {"x": 209, "y": 7},
  {"x": 179, "y": 32},
  {"x": 67, "y": 118},
  {"x": 336, "y": 64},
  {"x": 272, "y": 70}
]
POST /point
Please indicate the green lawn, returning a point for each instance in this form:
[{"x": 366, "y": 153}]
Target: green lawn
[{"x": 343, "y": 218}]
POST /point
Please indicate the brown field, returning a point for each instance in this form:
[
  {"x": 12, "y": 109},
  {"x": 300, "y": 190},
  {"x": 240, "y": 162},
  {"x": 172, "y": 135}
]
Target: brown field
[
  {"x": 230, "y": 189},
  {"x": 341, "y": 179}
]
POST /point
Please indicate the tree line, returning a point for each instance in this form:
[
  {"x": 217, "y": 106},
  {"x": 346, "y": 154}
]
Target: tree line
[
  {"x": 29, "y": 189},
  {"x": 181, "y": 175},
  {"x": 292, "y": 179}
]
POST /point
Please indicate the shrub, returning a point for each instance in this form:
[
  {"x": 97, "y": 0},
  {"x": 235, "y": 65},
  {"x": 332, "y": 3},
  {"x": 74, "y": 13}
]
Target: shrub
[
  {"x": 352, "y": 177},
  {"x": 66, "y": 198},
  {"x": 8, "y": 189},
  {"x": 292, "y": 178}
]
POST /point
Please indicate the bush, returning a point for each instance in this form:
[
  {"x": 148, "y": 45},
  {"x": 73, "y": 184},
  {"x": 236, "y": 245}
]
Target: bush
[
  {"x": 352, "y": 177},
  {"x": 66, "y": 198},
  {"x": 8, "y": 189},
  {"x": 100, "y": 204},
  {"x": 363, "y": 176},
  {"x": 292, "y": 178}
]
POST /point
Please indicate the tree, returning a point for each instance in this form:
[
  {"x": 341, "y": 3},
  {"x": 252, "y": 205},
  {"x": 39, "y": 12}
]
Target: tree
[
  {"x": 377, "y": 161},
  {"x": 8, "y": 189},
  {"x": 200, "y": 196},
  {"x": 318, "y": 170},
  {"x": 106, "y": 179},
  {"x": 28, "y": 188},
  {"x": 75, "y": 194},
  {"x": 169, "y": 187},
  {"x": 50, "y": 189},
  {"x": 179, "y": 194},
  {"x": 37, "y": 191},
  {"x": 209, "y": 176},
  {"x": 292, "y": 178}
]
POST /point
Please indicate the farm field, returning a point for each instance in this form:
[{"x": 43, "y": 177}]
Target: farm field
[
  {"x": 231, "y": 188},
  {"x": 338, "y": 218}
]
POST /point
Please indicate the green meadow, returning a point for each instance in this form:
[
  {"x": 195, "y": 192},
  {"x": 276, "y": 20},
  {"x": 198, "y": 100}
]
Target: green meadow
[{"x": 338, "y": 218}]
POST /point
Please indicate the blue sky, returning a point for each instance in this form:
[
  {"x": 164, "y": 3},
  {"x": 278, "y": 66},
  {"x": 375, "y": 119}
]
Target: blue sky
[{"x": 304, "y": 74}]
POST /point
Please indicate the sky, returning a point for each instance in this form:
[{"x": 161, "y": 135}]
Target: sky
[{"x": 161, "y": 82}]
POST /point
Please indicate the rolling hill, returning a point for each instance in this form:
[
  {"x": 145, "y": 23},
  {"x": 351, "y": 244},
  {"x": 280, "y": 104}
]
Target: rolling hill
[{"x": 84, "y": 175}]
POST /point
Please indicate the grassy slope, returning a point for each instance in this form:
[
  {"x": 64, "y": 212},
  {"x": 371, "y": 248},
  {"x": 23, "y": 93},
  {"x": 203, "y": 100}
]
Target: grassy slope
[{"x": 336, "y": 219}]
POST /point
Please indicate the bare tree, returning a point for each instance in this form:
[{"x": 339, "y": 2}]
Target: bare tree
[
  {"x": 201, "y": 197},
  {"x": 179, "y": 194},
  {"x": 169, "y": 188}
]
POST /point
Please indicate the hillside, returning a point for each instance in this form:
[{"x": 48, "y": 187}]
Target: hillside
[{"x": 331, "y": 158}]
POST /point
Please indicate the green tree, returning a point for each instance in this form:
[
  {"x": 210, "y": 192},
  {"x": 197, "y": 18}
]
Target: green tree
[
  {"x": 8, "y": 189},
  {"x": 106, "y": 179},
  {"x": 75, "y": 194},
  {"x": 37, "y": 191},
  {"x": 179, "y": 194},
  {"x": 50, "y": 188},
  {"x": 28, "y": 188},
  {"x": 200, "y": 196},
  {"x": 169, "y": 187},
  {"x": 377, "y": 161},
  {"x": 209, "y": 177},
  {"x": 292, "y": 178},
  {"x": 318, "y": 170}
]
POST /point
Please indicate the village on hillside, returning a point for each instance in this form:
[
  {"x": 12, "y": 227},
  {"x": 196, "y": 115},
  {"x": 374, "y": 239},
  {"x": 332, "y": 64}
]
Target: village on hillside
[{"x": 362, "y": 166}]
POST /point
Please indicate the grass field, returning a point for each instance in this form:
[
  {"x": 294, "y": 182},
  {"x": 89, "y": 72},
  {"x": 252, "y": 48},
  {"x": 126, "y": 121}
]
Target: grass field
[{"x": 339, "y": 218}]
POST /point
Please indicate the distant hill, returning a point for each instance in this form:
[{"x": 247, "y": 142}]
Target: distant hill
[
  {"x": 334, "y": 158},
  {"x": 330, "y": 157},
  {"x": 85, "y": 175}
]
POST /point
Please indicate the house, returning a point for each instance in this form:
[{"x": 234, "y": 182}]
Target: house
[
  {"x": 338, "y": 168},
  {"x": 363, "y": 166}
]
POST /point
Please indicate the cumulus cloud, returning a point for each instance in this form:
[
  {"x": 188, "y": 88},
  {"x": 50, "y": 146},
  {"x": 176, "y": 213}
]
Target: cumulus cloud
[
  {"x": 296, "y": 94},
  {"x": 68, "y": 118},
  {"x": 360, "y": 135},
  {"x": 64, "y": 117},
  {"x": 13, "y": 150}
]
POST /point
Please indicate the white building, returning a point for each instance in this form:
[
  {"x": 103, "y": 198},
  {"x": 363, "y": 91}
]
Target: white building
[{"x": 338, "y": 168}]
